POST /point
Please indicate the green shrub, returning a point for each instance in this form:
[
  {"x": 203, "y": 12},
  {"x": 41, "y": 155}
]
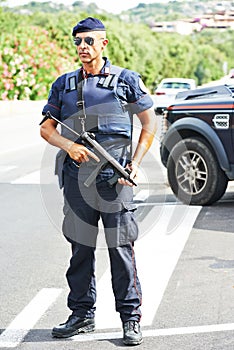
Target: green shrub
[{"x": 35, "y": 49}]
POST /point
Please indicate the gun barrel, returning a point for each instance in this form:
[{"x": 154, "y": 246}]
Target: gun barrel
[{"x": 50, "y": 116}]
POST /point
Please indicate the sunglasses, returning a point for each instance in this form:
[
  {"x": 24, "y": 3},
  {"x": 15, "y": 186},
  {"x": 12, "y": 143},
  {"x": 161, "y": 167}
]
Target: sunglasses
[{"x": 88, "y": 40}]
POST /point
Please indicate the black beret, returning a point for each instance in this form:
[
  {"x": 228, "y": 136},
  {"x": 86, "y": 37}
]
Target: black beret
[{"x": 88, "y": 24}]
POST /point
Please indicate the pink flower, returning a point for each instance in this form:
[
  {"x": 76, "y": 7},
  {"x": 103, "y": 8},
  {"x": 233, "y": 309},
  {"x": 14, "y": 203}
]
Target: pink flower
[
  {"x": 4, "y": 95},
  {"x": 8, "y": 85}
]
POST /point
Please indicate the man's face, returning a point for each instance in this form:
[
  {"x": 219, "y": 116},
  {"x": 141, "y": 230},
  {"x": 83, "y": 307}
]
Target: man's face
[{"x": 90, "y": 45}]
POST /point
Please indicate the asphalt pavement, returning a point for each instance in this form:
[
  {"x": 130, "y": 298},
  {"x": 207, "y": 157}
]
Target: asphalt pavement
[{"x": 184, "y": 255}]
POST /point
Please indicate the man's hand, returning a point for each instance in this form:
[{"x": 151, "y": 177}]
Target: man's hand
[
  {"x": 133, "y": 168},
  {"x": 80, "y": 153}
]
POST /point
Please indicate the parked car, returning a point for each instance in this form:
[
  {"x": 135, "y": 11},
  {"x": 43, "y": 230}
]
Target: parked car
[
  {"x": 167, "y": 90},
  {"x": 231, "y": 73},
  {"x": 197, "y": 146}
]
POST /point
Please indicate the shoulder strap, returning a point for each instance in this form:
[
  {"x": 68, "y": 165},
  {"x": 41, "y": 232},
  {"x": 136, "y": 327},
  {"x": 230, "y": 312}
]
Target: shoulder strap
[
  {"x": 80, "y": 87},
  {"x": 80, "y": 100},
  {"x": 72, "y": 81},
  {"x": 109, "y": 81}
]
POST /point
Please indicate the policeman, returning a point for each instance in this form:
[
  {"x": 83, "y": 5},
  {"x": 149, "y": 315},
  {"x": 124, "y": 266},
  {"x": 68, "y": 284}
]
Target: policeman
[{"x": 103, "y": 99}]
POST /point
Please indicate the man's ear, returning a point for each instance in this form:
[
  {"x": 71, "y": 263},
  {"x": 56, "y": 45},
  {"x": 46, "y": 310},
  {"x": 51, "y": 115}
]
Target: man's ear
[{"x": 105, "y": 42}]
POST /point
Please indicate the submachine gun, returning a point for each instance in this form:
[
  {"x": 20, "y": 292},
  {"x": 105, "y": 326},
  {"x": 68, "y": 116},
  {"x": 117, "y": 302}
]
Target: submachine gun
[{"x": 88, "y": 138}]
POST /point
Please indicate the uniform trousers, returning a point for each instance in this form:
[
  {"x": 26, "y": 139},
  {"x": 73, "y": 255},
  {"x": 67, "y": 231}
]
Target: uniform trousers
[{"x": 83, "y": 208}]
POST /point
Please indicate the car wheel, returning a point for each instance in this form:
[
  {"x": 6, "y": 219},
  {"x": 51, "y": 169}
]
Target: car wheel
[{"x": 194, "y": 174}]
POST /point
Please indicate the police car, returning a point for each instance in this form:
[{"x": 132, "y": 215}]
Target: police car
[{"x": 197, "y": 145}]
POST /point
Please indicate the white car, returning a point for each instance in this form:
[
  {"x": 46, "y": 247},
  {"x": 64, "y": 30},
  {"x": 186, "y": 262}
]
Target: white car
[{"x": 167, "y": 90}]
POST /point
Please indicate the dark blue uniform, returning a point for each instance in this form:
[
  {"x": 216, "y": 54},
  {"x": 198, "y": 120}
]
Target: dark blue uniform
[{"x": 111, "y": 98}]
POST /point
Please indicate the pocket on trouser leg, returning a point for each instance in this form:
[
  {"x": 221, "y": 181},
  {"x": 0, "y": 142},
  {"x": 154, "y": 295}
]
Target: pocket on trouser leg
[
  {"x": 77, "y": 229},
  {"x": 128, "y": 228}
]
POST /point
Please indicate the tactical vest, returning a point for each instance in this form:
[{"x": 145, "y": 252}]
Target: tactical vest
[{"x": 106, "y": 115}]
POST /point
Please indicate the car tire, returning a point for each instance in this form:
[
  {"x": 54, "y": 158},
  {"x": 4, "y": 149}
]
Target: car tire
[{"x": 194, "y": 174}]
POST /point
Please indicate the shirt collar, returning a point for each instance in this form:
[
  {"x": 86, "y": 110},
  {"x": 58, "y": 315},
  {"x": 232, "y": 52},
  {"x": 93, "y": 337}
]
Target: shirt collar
[
  {"x": 104, "y": 71},
  {"x": 106, "y": 68}
]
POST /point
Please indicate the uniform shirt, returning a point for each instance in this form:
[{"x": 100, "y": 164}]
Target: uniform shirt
[
  {"x": 130, "y": 91},
  {"x": 135, "y": 95}
]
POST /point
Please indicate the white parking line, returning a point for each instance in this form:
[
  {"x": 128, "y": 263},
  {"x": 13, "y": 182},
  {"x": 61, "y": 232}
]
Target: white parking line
[
  {"x": 165, "y": 231},
  {"x": 21, "y": 147},
  {"x": 28, "y": 317},
  {"x": 158, "y": 252},
  {"x": 141, "y": 196},
  {"x": 157, "y": 332},
  {"x": 6, "y": 168},
  {"x": 31, "y": 178}
]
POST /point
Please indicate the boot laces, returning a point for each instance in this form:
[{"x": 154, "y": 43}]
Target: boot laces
[{"x": 132, "y": 326}]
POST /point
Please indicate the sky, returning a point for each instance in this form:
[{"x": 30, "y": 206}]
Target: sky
[{"x": 108, "y": 5}]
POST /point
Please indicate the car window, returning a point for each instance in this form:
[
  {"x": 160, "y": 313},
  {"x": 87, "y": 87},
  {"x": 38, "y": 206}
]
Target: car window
[
  {"x": 167, "y": 85},
  {"x": 185, "y": 86},
  {"x": 175, "y": 85}
]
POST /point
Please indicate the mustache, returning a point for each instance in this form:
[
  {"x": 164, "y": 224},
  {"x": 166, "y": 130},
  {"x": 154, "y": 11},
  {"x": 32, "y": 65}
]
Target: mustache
[{"x": 83, "y": 51}]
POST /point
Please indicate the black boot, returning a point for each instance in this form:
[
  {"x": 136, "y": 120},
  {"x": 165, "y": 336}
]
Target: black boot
[
  {"x": 74, "y": 325},
  {"x": 131, "y": 333}
]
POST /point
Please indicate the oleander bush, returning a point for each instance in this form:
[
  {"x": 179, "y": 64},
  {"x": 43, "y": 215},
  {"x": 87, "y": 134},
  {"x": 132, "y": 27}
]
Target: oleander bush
[{"x": 36, "y": 48}]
